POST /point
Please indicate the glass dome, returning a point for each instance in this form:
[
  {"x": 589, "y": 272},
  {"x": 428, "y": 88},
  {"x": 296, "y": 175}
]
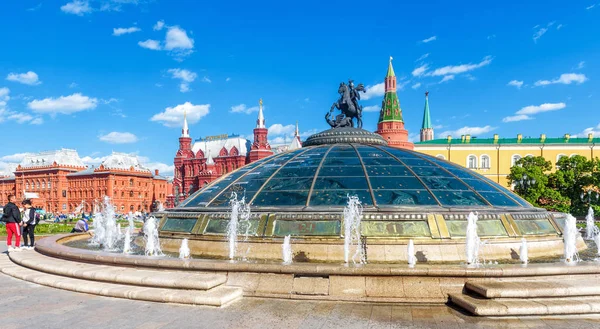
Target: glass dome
[{"x": 322, "y": 176}]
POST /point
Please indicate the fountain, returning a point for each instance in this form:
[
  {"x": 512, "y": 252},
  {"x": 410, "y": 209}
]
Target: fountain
[
  {"x": 472, "y": 240},
  {"x": 106, "y": 231},
  {"x": 352, "y": 216},
  {"x": 184, "y": 250},
  {"x": 161, "y": 208},
  {"x": 591, "y": 230},
  {"x": 523, "y": 252},
  {"x": 127, "y": 242},
  {"x": 240, "y": 212},
  {"x": 570, "y": 234},
  {"x": 151, "y": 237},
  {"x": 131, "y": 227},
  {"x": 119, "y": 232},
  {"x": 597, "y": 242},
  {"x": 286, "y": 249},
  {"x": 412, "y": 259}
]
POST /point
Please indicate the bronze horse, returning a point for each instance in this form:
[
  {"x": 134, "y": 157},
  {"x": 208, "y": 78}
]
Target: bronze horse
[{"x": 348, "y": 104}]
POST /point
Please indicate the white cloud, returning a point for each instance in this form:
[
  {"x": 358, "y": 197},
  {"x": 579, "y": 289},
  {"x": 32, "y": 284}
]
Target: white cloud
[
  {"x": 29, "y": 78},
  {"x": 595, "y": 131},
  {"x": 150, "y": 44},
  {"x": 559, "y": 26},
  {"x": 565, "y": 79},
  {"x": 422, "y": 57},
  {"x": 515, "y": 83},
  {"x": 590, "y": 7},
  {"x": 416, "y": 85},
  {"x": 206, "y": 79},
  {"x": 546, "y": 107},
  {"x": 178, "y": 40},
  {"x": 526, "y": 112},
  {"x": 159, "y": 25},
  {"x": 173, "y": 116},
  {"x": 457, "y": 69},
  {"x": 473, "y": 131},
  {"x": 77, "y": 7},
  {"x": 18, "y": 157},
  {"x": 119, "y": 138},
  {"x": 433, "y": 38},
  {"x": 516, "y": 118},
  {"x": 242, "y": 108},
  {"x": 580, "y": 65},
  {"x": 541, "y": 31},
  {"x": 125, "y": 30},
  {"x": 447, "y": 78},
  {"x": 6, "y": 114},
  {"x": 37, "y": 121},
  {"x": 374, "y": 91},
  {"x": 35, "y": 7},
  {"x": 227, "y": 79},
  {"x": 185, "y": 76},
  {"x": 372, "y": 108},
  {"x": 419, "y": 71},
  {"x": 72, "y": 85},
  {"x": 20, "y": 117},
  {"x": 279, "y": 129},
  {"x": 63, "y": 104}
]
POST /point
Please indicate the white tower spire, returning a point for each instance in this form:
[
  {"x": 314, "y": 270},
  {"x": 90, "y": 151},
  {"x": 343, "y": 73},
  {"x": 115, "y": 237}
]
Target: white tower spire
[
  {"x": 260, "y": 122},
  {"x": 185, "y": 132}
]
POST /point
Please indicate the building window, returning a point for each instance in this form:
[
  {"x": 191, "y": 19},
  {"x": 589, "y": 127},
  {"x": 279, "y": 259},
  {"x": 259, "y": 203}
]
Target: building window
[
  {"x": 472, "y": 162},
  {"x": 514, "y": 159},
  {"x": 485, "y": 162},
  {"x": 43, "y": 184},
  {"x": 64, "y": 193},
  {"x": 49, "y": 185},
  {"x": 440, "y": 156},
  {"x": 131, "y": 182},
  {"x": 64, "y": 206},
  {"x": 38, "y": 185},
  {"x": 27, "y": 185}
]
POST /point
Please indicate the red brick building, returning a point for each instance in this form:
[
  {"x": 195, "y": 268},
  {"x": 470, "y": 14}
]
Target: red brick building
[
  {"x": 64, "y": 184},
  {"x": 211, "y": 157}
]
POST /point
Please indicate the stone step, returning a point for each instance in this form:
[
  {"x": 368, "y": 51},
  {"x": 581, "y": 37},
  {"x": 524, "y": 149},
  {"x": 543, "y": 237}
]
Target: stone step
[
  {"x": 115, "y": 274},
  {"x": 533, "y": 289},
  {"x": 218, "y": 296},
  {"x": 532, "y": 306}
]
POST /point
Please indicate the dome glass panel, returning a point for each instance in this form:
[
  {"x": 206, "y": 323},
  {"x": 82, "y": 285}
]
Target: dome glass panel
[{"x": 381, "y": 176}]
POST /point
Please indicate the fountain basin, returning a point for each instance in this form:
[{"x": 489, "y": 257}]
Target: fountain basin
[{"x": 424, "y": 283}]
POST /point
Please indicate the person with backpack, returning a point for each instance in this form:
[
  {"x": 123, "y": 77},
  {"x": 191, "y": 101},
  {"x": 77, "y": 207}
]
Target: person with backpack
[
  {"x": 30, "y": 220},
  {"x": 12, "y": 218}
]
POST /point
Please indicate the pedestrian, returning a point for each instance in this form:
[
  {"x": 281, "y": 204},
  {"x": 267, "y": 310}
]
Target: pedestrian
[
  {"x": 81, "y": 226},
  {"x": 30, "y": 220},
  {"x": 12, "y": 218}
]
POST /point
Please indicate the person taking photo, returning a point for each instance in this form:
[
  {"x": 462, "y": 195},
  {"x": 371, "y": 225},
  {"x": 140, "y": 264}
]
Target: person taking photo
[{"x": 12, "y": 218}]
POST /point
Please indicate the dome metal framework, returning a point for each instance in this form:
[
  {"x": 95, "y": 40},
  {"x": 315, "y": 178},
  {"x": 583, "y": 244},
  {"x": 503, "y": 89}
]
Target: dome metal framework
[{"x": 321, "y": 177}]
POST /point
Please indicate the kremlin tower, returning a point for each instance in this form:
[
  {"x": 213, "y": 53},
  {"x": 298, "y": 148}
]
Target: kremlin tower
[
  {"x": 260, "y": 148},
  {"x": 391, "y": 125},
  {"x": 426, "y": 128}
]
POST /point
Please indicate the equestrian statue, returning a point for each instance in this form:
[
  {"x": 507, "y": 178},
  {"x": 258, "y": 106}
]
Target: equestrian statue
[{"x": 348, "y": 105}]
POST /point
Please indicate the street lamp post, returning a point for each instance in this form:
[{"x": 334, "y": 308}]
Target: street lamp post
[
  {"x": 525, "y": 183},
  {"x": 590, "y": 194}
]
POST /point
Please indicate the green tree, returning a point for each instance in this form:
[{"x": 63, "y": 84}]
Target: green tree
[
  {"x": 572, "y": 177},
  {"x": 530, "y": 179}
]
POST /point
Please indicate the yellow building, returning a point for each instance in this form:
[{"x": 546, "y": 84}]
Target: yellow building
[{"x": 493, "y": 157}]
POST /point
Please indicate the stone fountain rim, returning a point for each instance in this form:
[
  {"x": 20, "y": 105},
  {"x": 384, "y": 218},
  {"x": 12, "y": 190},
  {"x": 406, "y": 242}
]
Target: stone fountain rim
[{"x": 53, "y": 246}]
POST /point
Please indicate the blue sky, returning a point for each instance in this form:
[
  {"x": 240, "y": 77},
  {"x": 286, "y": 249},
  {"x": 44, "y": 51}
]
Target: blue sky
[{"x": 115, "y": 75}]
